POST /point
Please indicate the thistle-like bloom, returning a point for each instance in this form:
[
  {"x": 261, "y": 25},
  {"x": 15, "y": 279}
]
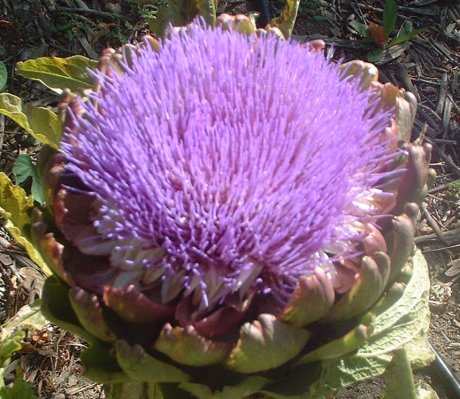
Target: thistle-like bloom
[{"x": 226, "y": 186}]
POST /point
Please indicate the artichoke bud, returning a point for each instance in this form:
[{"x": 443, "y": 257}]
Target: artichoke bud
[{"x": 228, "y": 203}]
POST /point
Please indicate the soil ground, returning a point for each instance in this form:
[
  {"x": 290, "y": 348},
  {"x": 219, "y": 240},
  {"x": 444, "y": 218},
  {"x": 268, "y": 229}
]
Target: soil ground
[{"x": 427, "y": 65}]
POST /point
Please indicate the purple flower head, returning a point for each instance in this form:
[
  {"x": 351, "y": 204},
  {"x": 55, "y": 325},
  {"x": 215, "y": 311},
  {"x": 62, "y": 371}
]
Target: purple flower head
[{"x": 228, "y": 166}]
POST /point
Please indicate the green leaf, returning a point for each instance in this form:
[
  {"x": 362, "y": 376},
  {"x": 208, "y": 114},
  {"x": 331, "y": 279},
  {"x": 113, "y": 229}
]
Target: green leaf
[
  {"x": 360, "y": 28},
  {"x": 390, "y": 15},
  {"x": 404, "y": 37},
  {"x": 24, "y": 169},
  {"x": 11, "y": 106},
  {"x": 180, "y": 13},
  {"x": 15, "y": 208},
  {"x": 43, "y": 124},
  {"x": 404, "y": 324},
  {"x": 56, "y": 307},
  {"x": 101, "y": 365},
  {"x": 3, "y": 75},
  {"x": 174, "y": 12},
  {"x": 19, "y": 390},
  {"x": 286, "y": 21},
  {"x": 29, "y": 316},
  {"x": 10, "y": 343},
  {"x": 11, "y": 336},
  {"x": 59, "y": 73},
  {"x": 375, "y": 55}
]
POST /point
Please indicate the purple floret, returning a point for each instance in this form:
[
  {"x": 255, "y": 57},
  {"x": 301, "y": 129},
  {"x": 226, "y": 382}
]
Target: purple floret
[{"x": 243, "y": 159}]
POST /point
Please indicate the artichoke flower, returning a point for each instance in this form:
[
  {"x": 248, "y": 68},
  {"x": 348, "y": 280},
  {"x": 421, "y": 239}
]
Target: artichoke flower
[{"x": 226, "y": 211}]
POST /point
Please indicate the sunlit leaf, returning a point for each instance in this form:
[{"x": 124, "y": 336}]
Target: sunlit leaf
[
  {"x": 10, "y": 343},
  {"x": 24, "y": 169},
  {"x": 59, "y": 73},
  {"x": 285, "y": 22},
  {"x": 45, "y": 125},
  {"x": 29, "y": 316},
  {"x": 15, "y": 208},
  {"x": 41, "y": 123},
  {"x": 11, "y": 106},
  {"x": 11, "y": 336}
]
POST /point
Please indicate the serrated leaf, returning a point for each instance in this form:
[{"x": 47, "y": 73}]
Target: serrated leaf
[
  {"x": 390, "y": 15},
  {"x": 3, "y": 75},
  {"x": 286, "y": 20},
  {"x": 15, "y": 208},
  {"x": 402, "y": 325},
  {"x": 24, "y": 169},
  {"x": 59, "y": 73},
  {"x": 41, "y": 123}
]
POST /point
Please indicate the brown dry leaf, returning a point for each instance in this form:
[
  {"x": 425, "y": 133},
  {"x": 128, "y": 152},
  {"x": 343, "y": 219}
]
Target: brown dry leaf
[{"x": 377, "y": 33}]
